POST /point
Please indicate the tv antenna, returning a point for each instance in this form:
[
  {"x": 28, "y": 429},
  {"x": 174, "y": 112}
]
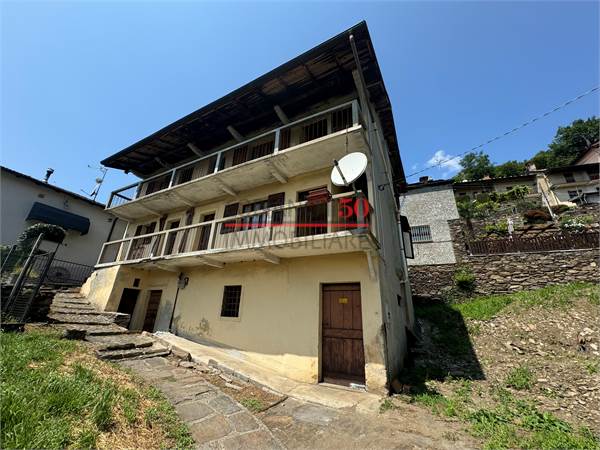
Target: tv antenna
[
  {"x": 348, "y": 169},
  {"x": 99, "y": 182}
]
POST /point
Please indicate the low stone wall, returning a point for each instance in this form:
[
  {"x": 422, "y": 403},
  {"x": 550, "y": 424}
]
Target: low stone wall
[
  {"x": 430, "y": 281},
  {"x": 506, "y": 272}
]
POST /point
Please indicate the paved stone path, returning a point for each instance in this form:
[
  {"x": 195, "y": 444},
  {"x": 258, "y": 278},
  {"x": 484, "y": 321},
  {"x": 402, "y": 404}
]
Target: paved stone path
[{"x": 215, "y": 419}]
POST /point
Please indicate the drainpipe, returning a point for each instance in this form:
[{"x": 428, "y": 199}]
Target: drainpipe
[{"x": 175, "y": 301}]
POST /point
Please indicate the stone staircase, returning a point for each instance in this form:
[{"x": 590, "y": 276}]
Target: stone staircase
[{"x": 71, "y": 312}]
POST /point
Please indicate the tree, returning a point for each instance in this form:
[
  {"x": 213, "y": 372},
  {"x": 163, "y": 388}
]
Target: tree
[
  {"x": 475, "y": 166},
  {"x": 510, "y": 169},
  {"x": 568, "y": 143}
]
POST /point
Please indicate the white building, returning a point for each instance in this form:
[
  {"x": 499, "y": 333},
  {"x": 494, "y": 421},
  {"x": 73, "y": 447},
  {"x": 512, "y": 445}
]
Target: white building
[{"x": 25, "y": 200}]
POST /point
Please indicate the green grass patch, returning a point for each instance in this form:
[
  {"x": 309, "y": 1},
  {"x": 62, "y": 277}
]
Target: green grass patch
[
  {"x": 508, "y": 422},
  {"x": 54, "y": 394},
  {"x": 487, "y": 307},
  {"x": 520, "y": 378},
  {"x": 386, "y": 405},
  {"x": 253, "y": 404}
]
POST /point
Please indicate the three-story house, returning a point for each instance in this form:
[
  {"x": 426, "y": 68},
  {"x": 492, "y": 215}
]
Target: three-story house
[{"x": 237, "y": 237}]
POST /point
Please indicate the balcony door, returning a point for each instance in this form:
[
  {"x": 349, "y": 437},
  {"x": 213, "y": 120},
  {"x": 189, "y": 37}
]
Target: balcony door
[
  {"x": 310, "y": 220},
  {"x": 171, "y": 237}
]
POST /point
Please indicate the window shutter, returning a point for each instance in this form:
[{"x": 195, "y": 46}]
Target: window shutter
[
  {"x": 230, "y": 210},
  {"x": 276, "y": 200},
  {"x": 240, "y": 155}
]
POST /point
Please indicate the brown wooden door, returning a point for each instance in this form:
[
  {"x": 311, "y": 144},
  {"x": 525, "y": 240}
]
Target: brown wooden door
[
  {"x": 343, "y": 359},
  {"x": 152, "y": 310}
]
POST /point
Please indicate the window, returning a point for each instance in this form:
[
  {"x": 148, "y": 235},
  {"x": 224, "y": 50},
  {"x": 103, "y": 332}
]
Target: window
[
  {"x": 421, "y": 233},
  {"x": 593, "y": 174},
  {"x": 569, "y": 178},
  {"x": 573, "y": 194},
  {"x": 231, "y": 301},
  {"x": 508, "y": 188},
  {"x": 256, "y": 221}
]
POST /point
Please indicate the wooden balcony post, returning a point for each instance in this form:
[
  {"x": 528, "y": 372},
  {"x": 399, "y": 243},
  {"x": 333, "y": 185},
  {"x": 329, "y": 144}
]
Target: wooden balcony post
[
  {"x": 269, "y": 225},
  {"x": 172, "y": 180},
  {"x": 211, "y": 236},
  {"x": 218, "y": 163}
]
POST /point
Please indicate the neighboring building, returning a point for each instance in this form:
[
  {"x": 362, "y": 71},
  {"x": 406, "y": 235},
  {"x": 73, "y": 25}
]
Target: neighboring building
[
  {"x": 26, "y": 200},
  {"x": 234, "y": 240},
  {"x": 589, "y": 156},
  {"x": 429, "y": 205},
  {"x": 577, "y": 184},
  {"x": 473, "y": 188}
]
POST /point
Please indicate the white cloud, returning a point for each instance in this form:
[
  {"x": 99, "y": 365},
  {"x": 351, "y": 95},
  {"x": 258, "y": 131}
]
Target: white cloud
[{"x": 447, "y": 163}]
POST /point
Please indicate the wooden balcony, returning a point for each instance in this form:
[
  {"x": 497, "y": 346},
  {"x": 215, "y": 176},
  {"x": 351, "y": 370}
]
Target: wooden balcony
[
  {"x": 298, "y": 229},
  {"x": 303, "y": 146}
]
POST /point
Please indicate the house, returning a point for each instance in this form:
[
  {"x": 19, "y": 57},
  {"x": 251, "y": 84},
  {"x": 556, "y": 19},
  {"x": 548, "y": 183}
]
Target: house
[
  {"x": 429, "y": 205},
  {"x": 474, "y": 188},
  {"x": 576, "y": 183},
  {"x": 27, "y": 200},
  {"x": 590, "y": 155},
  {"x": 237, "y": 237}
]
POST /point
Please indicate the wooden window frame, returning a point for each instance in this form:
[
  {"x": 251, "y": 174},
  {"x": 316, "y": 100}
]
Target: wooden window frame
[{"x": 236, "y": 290}]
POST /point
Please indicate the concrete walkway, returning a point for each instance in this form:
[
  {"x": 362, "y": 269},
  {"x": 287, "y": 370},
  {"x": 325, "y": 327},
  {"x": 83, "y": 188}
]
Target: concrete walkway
[
  {"x": 215, "y": 419},
  {"x": 231, "y": 360}
]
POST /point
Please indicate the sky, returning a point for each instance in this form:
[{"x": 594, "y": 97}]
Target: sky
[{"x": 83, "y": 80}]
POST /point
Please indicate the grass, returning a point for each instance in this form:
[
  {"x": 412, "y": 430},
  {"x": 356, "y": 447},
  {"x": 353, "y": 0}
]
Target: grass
[
  {"x": 508, "y": 422},
  {"x": 253, "y": 404},
  {"x": 55, "y": 394},
  {"x": 487, "y": 307},
  {"x": 520, "y": 378}
]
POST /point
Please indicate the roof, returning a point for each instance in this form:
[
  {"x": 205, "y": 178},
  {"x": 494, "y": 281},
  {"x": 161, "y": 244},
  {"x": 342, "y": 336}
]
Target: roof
[
  {"x": 420, "y": 185},
  {"x": 574, "y": 168},
  {"x": 494, "y": 180},
  {"x": 52, "y": 187},
  {"x": 321, "y": 73}
]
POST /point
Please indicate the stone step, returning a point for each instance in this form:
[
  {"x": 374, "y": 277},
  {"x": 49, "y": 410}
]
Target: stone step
[
  {"x": 120, "y": 342},
  {"x": 134, "y": 353},
  {"x": 95, "y": 330},
  {"x": 72, "y": 295},
  {"x": 70, "y": 301},
  {"x": 88, "y": 319},
  {"x": 76, "y": 309},
  {"x": 70, "y": 304}
]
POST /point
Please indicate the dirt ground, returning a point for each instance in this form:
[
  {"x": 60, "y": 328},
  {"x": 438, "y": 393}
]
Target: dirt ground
[{"x": 557, "y": 345}]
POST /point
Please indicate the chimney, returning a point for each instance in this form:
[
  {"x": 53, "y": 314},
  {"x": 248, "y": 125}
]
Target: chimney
[
  {"x": 424, "y": 179},
  {"x": 49, "y": 173}
]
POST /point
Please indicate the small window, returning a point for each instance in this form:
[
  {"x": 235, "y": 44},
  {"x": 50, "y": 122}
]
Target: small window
[
  {"x": 399, "y": 299},
  {"x": 569, "y": 178},
  {"x": 573, "y": 194},
  {"x": 231, "y": 301},
  {"x": 593, "y": 174},
  {"x": 508, "y": 188},
  {"x": 136, "y": 282},
  {"x": 421, "y": 233}
]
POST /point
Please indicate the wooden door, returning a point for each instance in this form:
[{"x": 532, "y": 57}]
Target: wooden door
[
  {"x": 205, "y": 232},
  {"x": 342, "y": 353},
  {"x": 152, "y": 310},
  {"x": 171, "y": 237}
]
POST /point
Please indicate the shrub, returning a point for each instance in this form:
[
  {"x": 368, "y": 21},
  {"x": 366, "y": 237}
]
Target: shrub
[
  {"x": 500, "y": 228},
  {"x": 525, "y": 205},
  {"x": 536, "y": 216},
  {"x": 575, "y": 223},
  {"x": 464, "y": 279},
  {"x": 483, "y": 209},
  {"x": 52, "y": 233}
]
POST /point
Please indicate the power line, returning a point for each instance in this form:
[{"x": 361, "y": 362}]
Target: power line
[{"x": 523, "y": 125}]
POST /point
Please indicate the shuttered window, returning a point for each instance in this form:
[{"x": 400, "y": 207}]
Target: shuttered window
[
  {"x": 231, "y": 301},
  {"x": 421, "y": 233}
]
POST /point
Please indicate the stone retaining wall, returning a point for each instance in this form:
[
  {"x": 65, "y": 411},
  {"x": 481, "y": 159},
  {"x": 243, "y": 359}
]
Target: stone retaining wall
[{"x": 506, "y": 272}]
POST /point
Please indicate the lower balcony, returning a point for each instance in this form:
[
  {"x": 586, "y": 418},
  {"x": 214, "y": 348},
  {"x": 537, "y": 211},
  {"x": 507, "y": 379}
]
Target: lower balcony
[{"x": 341, "y": 224}]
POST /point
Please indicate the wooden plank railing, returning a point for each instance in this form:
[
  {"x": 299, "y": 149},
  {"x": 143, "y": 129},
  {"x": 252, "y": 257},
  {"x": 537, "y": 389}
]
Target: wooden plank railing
[{"x": 546, "y": 242}]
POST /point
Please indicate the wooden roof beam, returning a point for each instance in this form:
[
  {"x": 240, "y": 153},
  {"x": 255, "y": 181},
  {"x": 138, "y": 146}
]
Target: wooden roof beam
[
  {"x": 282, "y": 116},
  {"x": 195, "y": 149},
  {"x": 236, "y": 135}
]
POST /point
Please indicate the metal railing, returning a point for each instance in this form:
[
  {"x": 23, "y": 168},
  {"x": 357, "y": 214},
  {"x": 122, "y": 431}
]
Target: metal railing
[
  {"x": 271, "y": 226},
  {"x": 338, "y": 118}
]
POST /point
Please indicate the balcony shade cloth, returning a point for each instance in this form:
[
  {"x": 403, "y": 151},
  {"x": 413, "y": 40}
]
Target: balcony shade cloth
[{"x": 50, "y": 214}]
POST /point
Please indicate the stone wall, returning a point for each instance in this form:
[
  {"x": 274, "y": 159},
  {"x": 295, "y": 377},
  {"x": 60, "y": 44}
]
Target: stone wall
[{"x": 506, "y": 272}]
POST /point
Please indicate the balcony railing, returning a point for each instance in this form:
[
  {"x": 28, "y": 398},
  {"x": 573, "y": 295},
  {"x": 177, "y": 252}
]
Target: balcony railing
[
  {"x": 275, "y": 226},
  {"x": 299, "y": 132}
]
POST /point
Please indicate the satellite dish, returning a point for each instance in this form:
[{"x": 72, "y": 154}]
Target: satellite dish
[{"x": 347, "y": 170}]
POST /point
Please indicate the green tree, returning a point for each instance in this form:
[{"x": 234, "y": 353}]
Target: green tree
[
  {"x": 510, "y": 169},
  {"x": 569, "y": 143},
  {"x": 475, "y": 166}
]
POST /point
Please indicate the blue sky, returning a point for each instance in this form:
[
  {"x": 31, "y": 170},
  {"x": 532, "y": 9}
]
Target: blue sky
[{"x": 83, "y": 80}]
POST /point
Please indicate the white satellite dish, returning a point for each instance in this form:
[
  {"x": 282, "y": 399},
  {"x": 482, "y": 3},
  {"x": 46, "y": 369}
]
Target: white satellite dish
[{"x": 347, "y": 170}]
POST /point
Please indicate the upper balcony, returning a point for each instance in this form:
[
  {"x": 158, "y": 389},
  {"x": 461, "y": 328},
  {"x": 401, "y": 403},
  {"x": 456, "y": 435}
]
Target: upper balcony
[
  {"x": 341, "y": 225},
  {"x": 302, "y": 146}
]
